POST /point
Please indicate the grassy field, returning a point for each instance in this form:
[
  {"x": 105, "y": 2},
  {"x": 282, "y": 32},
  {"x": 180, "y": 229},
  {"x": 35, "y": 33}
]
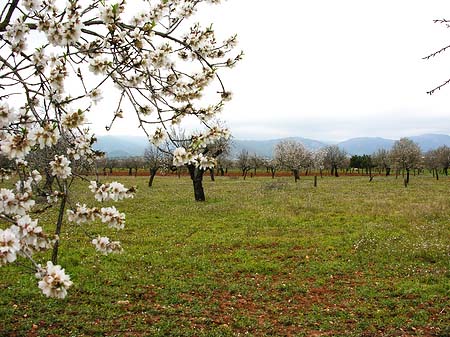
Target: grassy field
[{"x": 260, "y": 257}]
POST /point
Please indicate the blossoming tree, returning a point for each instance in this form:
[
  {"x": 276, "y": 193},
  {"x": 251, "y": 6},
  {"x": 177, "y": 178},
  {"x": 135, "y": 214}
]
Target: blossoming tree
[
  {"x": 292, "y": 155},
  {"x": 405, "y": 155},
  {"x": 56, "y": 61}
]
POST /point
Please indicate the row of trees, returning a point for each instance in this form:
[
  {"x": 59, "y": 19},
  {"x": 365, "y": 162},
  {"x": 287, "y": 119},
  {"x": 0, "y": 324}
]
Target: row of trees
[
  {"x": 404, "y": 157},
  {"x": 293, "y": 156}
]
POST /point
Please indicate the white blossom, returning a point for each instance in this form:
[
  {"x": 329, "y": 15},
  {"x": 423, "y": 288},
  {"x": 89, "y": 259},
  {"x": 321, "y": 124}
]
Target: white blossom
[
  {"x": 112, "y": 217},
  {"x": 60, "y": 167},
  {"x": 9, "y": 246},
  {"x": 7, "y": 114},
  {"x": 82, "y": 214},
  {"x": 95, "y": 95},
  {"x": 45, "y": 136},
  {"x": 31, "y": 236},
  {"x": 159, "y": 136},
  {"x": 54, "y": 281},
  {"x": 105, "y": 246},
  {"x": 179, "y": 156}
]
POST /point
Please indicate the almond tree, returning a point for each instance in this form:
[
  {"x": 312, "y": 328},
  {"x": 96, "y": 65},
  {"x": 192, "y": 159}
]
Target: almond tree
[
  {"x": 144, "y": 55},
  {"x": 318, "y": 160},
  {"x": 406, "y": 155},
  {"x": 156, "y": 159},
  {"x": 244, "y": 163},
  {"x": 382, "y": 160},
  {"x": 334, "y": 158},
  {"x": 293, "y": 156},
  {"x": 432, "y": 162},
  {"x": 443, "y": 156},
  {"x": 271, "y": 165}
]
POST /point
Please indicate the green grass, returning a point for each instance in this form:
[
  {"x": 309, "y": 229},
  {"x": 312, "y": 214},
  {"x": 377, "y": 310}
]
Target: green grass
[{"x": 259, "y": 257}]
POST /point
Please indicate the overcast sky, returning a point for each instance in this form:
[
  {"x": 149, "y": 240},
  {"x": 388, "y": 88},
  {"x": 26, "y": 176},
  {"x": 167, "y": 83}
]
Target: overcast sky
[{"x": 333, "y": 70}]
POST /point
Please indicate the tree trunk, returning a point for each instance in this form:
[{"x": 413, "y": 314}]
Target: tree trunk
[
  {"x": 315, "y": 181},
  {"x": 336, "y": 174},
  {"x": 272, "y": 171},
  {"x": 62, "y": 209},
  {"x": 388, "y": 171},
  {"x": 407, "y": 176},
  {"x": 197, "y": 181},
  {"x": 152, "y": 176},
  {"x": 437, "y": 174},
  {"x": 244, "y": 173},
  {"x": 211, "y": 174},
  {"x": 48, "y": 186},
  {"x": 296, "y": 175},
  {"x": 130, "y": 171}
]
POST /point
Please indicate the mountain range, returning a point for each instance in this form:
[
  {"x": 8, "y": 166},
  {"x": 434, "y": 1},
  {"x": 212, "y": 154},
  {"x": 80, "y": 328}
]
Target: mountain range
[{"x": 127, "y": 146}]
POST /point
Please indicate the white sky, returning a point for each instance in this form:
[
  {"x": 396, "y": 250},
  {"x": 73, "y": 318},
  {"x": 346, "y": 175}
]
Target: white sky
[{"x": 333, "y": 70}]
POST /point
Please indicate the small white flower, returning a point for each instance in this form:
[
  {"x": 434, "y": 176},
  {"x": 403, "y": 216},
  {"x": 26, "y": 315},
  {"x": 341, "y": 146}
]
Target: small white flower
[
  {"x": 9, "y": 246},
  {"x": 95, "y": 96},
  {"x": 179, "y": 156},
  {"x": 54, "y": 281},
  {"x": 103, "y": 245},
  {"x": 60, "y": 167},
  {"x": 112, "y": 217}
]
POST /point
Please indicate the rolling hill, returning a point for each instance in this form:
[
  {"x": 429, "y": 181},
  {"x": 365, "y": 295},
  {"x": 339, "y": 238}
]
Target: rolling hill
[{"x": 129, "y": 146}]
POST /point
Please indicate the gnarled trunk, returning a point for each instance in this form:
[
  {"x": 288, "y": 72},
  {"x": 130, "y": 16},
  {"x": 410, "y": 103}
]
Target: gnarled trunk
[
  {"x": 296, "y": 174},
  {"x": 197, "y": 181},
  {"x": 152, "y": 176}
]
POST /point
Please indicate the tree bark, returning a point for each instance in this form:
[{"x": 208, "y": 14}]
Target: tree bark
[
  {"x": 152, "y": 176},
  {"x": 211, "y": 174},
  {"x": 407, "y": 176},
  {"x": 62, "y": 209},
  {"x": 48, "y": 186},
  {"x": 388, "y": 171},
  {"x": 197, "y": 181},
  {"x": 296, "y": 175}
]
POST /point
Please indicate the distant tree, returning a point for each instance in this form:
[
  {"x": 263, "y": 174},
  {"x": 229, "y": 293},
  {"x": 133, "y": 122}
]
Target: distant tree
[
  {"x": 318, "y": 160},
  {"x": 243, "y": 162},
  {"x": 432, "y": 162},
  {"x": 207, "y": 152},
  {"x": 293, "y": 156},
  {"x": 382, "y": 160},
  {"x": 6, "y": 167},
  {"x": 406, "y": 155},
  {"x": 356, "y": 162},
  {"x": 271, "y": 165},
  {"x": 443, "y": 157},
  {"x": 156, "y": 159},
  {"x": 335, "y": 158},
  {"x": 256, "y": 162}
]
